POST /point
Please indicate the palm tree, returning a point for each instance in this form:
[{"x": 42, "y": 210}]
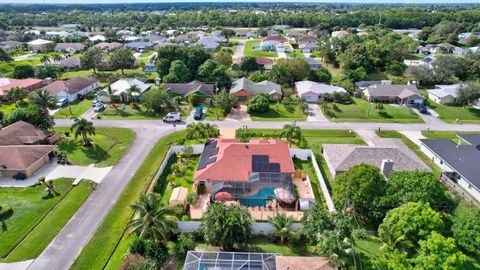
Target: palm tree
[
  {"x": 45, "y": 59},
  {"x": 151, "y": 221},
  {"x": 196, "y": 131},
  {"x": 16, "y": 94},
  {"x": 339, "y": 251},
  {"x": 211, "y": 130},
  {"x": 282, "y": 225},
  {"x": 291, "y": 133},
  {"x": 393, "y": 239},
  {"x": 43, "y": 100},
  {"x": 132, "y": 89},
  {"x": 84, "y": 128},
  {"x": 57, "y": 57}
]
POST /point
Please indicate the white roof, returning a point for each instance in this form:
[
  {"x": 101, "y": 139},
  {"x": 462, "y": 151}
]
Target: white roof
[
  {"x": 445, "y": 90},
  {"x": 122, "y": 85},
  {"x": 97, "y": 38},
  {"x": 39, "y": 42},
  {"x": 317, "y": 88}
]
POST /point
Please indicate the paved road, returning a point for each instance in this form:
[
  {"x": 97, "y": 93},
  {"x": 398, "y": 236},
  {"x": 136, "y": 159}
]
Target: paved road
[
  {"x": 66, "y": 246},
  {"x": 238, "y": 54}
]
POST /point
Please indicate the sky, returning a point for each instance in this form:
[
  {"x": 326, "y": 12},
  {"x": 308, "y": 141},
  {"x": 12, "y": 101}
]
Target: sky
[{"x": 246, "y": 1}]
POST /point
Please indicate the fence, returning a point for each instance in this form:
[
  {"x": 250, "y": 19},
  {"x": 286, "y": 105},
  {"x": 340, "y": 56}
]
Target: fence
[{"x": 257, "y": 227}]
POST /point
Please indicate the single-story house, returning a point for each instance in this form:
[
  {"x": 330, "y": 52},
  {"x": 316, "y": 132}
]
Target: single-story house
[
  {"x": 209, "y": 42},
  {"x": 269, "y": 45},
  {"x": 79, "y": 34},
  {"x": 277, "y": 38},
  {"x": 458, "y": 161},
  {"x": 362, "y": 85},
  {"x": 444, "y": 94},
  {"x": 391, "y": 156},
  {"x": 307, "y": 40},
  {"x": 61, "y": 34},
  {"x": 463, "y": 38},
  {"x": 293, "y": 35},
  {"x": 10, "y": 44},
  {"x": 120, "y": 89},
  {"x": 69, "y": 63},
  {"x": 313, "y": 91},
  {"x": 247, "y": 34},
  {"x": 284, "y": 48},
  {"x": 198, "y": 88},
  {"x": 97, "y": 38},
  {"x": 266, "y": 62},
  {"x": 394, "y": 93},
  {"x": 156, "y": 39},
  {"x": 314, "y": 64},
  {"x": 340, "y": 34},
  {"x": 244, "y": 89},
  {"x": 23, "y": 133},
  {"x": 39, "y": 44},
  {"x": 428, "y": 61},
  {"x": 70, "y": 47},
  {"x": 309, "y": 47},
  {"x": 73, "y": 88},
  {"x": 280, "y": 27},
  {"x": 139, "y": 45},
  {"x": 29, "y": 84},
  {"x": 109, "y": 46}
]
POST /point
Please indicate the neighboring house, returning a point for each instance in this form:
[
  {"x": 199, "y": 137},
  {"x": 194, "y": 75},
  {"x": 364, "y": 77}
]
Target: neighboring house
[
  {"x": 10, "y": 44},
  {"x": 280, "y": 27},
  {"x": 314, "y": 64},
  {"x": 209, "y": 43},
  {"x": 79, "y": 34},
  {"x": 73, "y": 88},
  {"x": 308, "y": 48},
  {"x": 246, "y": 34},
  {"x": 70, "y": 47},
  {"x": 244, "y": 89},
  {"x": 391, "y": 155},
  {"x": 340, "y": 34},
  {"x": 307, "y": 40},
  {"x": 69, "y": 63},
  {"x": 200, "y": 89},
  {"x": 61, "y": 34},
  {"x": 459, "y": 162},
  {"x": 463, "y": 38},
  {"x": 139, "y": 46},
  {"x": 269, "y": 45},
  {"x": 156, "y": 39},
  {"x": 277, "y": 38},
  {"x": 412, "y": 32},
  {"x": 284, "y": 48},
  {"x": 29, "y": 84},
  {"x": 362, "y": 85},
  {"x": 293, "y": 35},
  {"x": 97, "y": 38},
  {"x": 120, "y": 89},
  {"x": 39, "y": 44},
  {"x": 428, "y": 61},
  {"x": 24, "y": 149},
  {"x": 266, "y": 62},
  {"x": 444, "y": 94},
  {"x": 313, "y": 91},
  {"x": 108, "y": 46},
  {"x": 394, "y": 93}
]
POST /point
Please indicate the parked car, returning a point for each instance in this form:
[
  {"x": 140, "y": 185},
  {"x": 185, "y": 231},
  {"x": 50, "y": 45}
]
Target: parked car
[
  {"x": 172, "y": 117},
  {"x": 99, "y": 107},
  {"x": 95, "y": 102},
  {"x": 62, "y": 103},
  {"x": 197, "y": 115}
]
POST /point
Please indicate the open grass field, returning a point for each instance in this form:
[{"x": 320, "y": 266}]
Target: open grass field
[
  {"x": 296, "y": 54},
  {"x": 76, "y": 109},
  {"x": 450, "y": 113},
  {"x": 280, "y": 115},
  {"x": 38, "y": 239},
  {"x": 29, "y": 206},
  {"x": 110, "y": 145},
  {"x": 307, "y": 167},
  {"x": 249, "y": 50},
  {"x": 108, "y": 245},
  {"x": 360, "y": 110}
]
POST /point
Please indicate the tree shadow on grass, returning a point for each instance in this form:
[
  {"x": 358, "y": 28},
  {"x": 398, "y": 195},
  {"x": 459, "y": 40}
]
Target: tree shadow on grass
[
  {"x": 385, "y": 115},
  {"x": 51, "y": 195},
  {"x": 70, "y": 145},
  {"x": 95, "y": 152},
  {"x": 4, "y": 218}
]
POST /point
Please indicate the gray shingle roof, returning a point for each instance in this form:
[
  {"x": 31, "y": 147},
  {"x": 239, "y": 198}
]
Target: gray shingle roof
[
  {"x": 399, "y": 90},
  {"x": 190, "y": 88},
  {"x": 266, "y": 87}
]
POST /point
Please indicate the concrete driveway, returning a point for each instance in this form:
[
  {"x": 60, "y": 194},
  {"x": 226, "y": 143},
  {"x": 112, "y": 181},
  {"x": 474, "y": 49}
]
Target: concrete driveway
[
  {"x": 78, "y": 173},
  {"x": 239, "y": 52},
  {"x": 431, "y": 117},
  {"x": 239, "y": 114},
  {"x": 315, "y": 113}
]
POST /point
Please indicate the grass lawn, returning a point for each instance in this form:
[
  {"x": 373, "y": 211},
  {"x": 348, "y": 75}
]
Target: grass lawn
[
  {"x": 48, "y": 228},
  {"x": 6, "y": 68},
  {"x": 358, "y": 111},
  {"x": 108, "y": 246},
  {"x": 215, "y": 114},
  {"x": 29, "y": 206},
  {"x": 449, "y": 114},
  {"x": 296, "y": 54},
  {"x": 307, "y": 167},
  {"x": 7, "y": 107},
  {"x": 77, "y": 108},
  {"x": 444, "y": 134},
  {"x": 125, "y": 111},
  {"x": 110, "y": 145},
  {"x": 129, "y": 73},
  {"x": 249, "y": 50},
  {"x": 282, "y": 115}
]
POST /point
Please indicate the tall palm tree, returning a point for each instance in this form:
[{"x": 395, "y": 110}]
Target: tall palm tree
[
  {"x": 57, "y": 57},
  {"x": 82, "y": 127},
  {"x": 196, "y": 131},
  {"x": 16, "y": 94},
  {"x": 282, "y": 225},
  {"x": 45, "y": 59},
  {"x": 151, "y": 220},
  {"x": 291, "y": 132},
  {"x": 211, "y": 130},
  {"x": 43, "y": 100},
  {"x": 132, "y": 89}
]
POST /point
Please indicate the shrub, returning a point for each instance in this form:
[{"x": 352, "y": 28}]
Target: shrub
[
  {"x": 201, "y": 189},
  {"x": 146, "y": 248},
  {"x": 134, "y": 106},
  {"x": 19, "y": 176},
  {"x": 295, "y": 237},
  {"x": 5, "y": 211},
  {"x": 192, "y": 198},
  {"x": 258, "y": 104},
  {"x": 136, "y": 262},
  {"x": 62, "y": 158},
  {"x": 184, "y": 244}
]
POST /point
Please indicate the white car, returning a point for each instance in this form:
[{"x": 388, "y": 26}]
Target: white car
[
  {"x": 99, "y": 107},
  {"x": 172, "y": 117},
  {"x": 96, "y": 102}
]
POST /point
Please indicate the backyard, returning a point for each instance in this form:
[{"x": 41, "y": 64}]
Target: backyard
[
  {"x": 450, "y": 113},
  {"x": 295, "y": 54},
  {"x": 280, "y": 114},
  {"x": 360, "y": 110},
  {"x": 37, "y": 217},
  {"x": 109, "y": 146},
  {"x": 75, "y": 109},
  {"x": 249, "y": 50}
]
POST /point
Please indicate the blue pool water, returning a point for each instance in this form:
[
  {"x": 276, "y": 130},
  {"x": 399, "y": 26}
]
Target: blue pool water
[{"x": 260, "y": 198}]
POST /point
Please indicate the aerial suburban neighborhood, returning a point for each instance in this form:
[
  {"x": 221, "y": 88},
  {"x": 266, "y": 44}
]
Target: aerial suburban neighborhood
[{"x": 223, "y": 135}]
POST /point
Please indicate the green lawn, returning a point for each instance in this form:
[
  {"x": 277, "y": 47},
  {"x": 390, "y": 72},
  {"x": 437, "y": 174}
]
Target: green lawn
[
  {"x": 129, "y": 73},
  {"x": 76, "y": 109},
  {"x": 29, "y": 205},
  {"x": 282, "y": 115},
  {"x": 110, "y": 145},
  {"x": 307, "y": 167},
  {"x": 296, "y": 54},
  {"x": 214, "y": 114},
  {"x": 358, "y": 111},
  {"x": 6, "y": 68},
  {"x": 450, "y": 113},
  {"x": 108, "y": 246},
  {"x": 50, "y": 226},
  {"x": 125, "y": 111},
  {"x": 249, "y": 50},
  {"x": 7, "y": 107},
  {"x": 444, "y": 134}
]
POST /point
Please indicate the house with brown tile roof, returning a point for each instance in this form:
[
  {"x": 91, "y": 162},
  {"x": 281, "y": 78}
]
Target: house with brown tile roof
[
  {"x": 22, "y": 133},
  {"x": 73, "y": 88},
  {"x": 200, "y": 89},
  {"x": 29, "y": 84}
]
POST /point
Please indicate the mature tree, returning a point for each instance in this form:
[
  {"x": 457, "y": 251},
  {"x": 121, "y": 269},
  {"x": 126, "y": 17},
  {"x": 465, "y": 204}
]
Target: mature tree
[
  {"x": 410, "y": 222},
  {"x": 291, "y": 132},
  {"x": 4, "y": 56},
  {"x": 258, "y": 104},
  {"x": 439, "y": 252},
  {"x": 30, "y": 115},
  {"x": 227, "y": 33},
  {"x": 396, "y": 68},
  {"x": 122, "y": 59},
  {"x": 468, "y": 93},
  {"x": 16, "y": 94},
  {"x": 316, "y": 221},
  {"x": 23, "y": 71},
  {"x": 359, "y": 190},
  {"x": 199, "y": 131},
  {"x": 163, "y": 66},
  {"x": 282, "y": 225},
  {"x": 178, "y": 73},
  {"x": 223, "y": 100},
  {"x": 82, "y": 127},
  {"x": 392, "y": 260},
  {"x": 192, "y": 57},
  {"x": 279, "y": 74},
  {"x": 416, "y": 186},
  {"x": 42, "y": 100},
  {"x": 226, "y": 226},
  {"x": 393, "y": 239},
  {"x": 45, "y": 59},
  {"x": 151, "y": 221},
  {"x": 157, "y": 101},
  {"x": 259, "y": 76},
  {"x": 223, "y": 58},
  {"x": 444, "y": 68},
  {"x": 297, "y": 69},
  {"x": 338, "y": 250},
  {"x": 136, "y": 262},
  {"x": 131, "y": 91},
  {"x": 211, "y": 72},
  {"x": 92, "y": 59},
  {"x": 321, "y": 75},
  {"x": 43, "y": 72},
  {"x": 249, "y": 64},
  {"x": 472, "y": 41},
  {"x": 466, "y": 230}
]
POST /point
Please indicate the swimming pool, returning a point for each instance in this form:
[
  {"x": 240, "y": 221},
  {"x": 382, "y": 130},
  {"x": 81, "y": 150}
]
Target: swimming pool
[{"x": 260, "y": 198}]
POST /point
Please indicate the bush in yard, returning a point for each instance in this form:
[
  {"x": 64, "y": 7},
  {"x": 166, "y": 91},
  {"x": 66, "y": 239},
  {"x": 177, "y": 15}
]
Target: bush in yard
[
  {"x": 62, "y": 158},
  {"x": 136, "y": 262},
  {"x": 5, "y": 211},
  {"x": 192, "y": 198},
  {"x": 194, "y": 100},
  {"x": 184, "y": 244},
  {"x": 258, "y": 104},
  {"x": 148, "y": 249},
  {"x": 466, "y": 231},
  {"x": 243, "y": 134},
  {"x": 201, "y": 189},
  {"x": 19, "y": 176}
]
